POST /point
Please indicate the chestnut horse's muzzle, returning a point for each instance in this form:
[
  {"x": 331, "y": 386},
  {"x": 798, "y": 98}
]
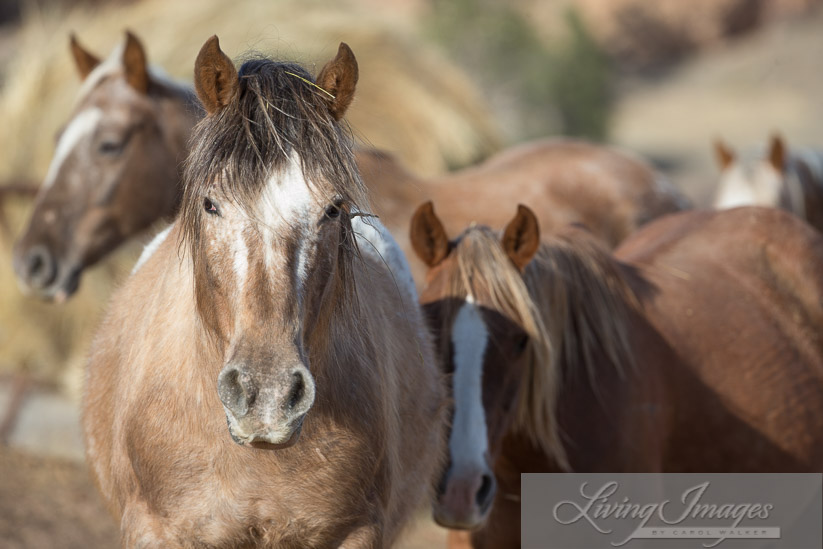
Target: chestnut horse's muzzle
[{"x": 465, "y": 498}]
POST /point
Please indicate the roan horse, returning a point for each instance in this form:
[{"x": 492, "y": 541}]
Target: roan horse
[
  {"x": 115, "y": 171},
  {"x": 696, "y": 347},
  {"x": 781, "y": 179},
  {"x": 272, "y": 305}
]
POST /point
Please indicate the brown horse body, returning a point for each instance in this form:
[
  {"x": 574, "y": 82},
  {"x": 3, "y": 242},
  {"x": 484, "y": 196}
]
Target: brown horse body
[
  {"x": 695, "y": 348},
  {"x": 564, "y": 181},
  {"x": 270, "y": 305}
]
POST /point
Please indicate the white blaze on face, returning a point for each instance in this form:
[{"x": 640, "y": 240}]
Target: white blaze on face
[
  {"x": 81, "y": 126},
  {"x": 286, "y": 206},
  {"x": 468, "y": 443}
]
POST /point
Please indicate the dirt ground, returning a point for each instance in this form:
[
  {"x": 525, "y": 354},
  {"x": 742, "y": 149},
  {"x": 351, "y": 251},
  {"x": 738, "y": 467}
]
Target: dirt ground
[
  {"x": 50, "y": 503},
  {"x": 53, "y": 504}
]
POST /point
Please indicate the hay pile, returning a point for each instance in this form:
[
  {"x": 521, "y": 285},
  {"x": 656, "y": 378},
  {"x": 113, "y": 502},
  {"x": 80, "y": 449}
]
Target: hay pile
[{"x": 410, "y": 101}]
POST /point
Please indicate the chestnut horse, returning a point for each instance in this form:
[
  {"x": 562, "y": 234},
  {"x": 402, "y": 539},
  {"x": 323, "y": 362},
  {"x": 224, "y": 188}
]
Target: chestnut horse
[
  {"x": 695, "y": 347},
  {"x": 792, "y": 180},
  {"x": 273, "y": 306},
  {"x": 114, "y": 173},
  {"x": 563, "y": 180}
]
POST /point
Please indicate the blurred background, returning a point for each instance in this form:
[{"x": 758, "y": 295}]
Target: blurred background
[{"x": 444, "y": 84}]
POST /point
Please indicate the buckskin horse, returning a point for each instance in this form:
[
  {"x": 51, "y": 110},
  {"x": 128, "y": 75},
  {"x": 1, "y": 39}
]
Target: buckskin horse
[
  {"x": 265, "y": 378},
  {"x": 694, "y": 347}
]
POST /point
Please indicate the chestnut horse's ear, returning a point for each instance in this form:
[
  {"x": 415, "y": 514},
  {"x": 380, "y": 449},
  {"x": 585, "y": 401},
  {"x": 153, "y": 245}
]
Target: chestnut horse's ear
[
  {"x": 135, "y": 65},
  {"x": 521, "y": 239},
  {"x": 338, "y": 78},
  {"x": 215, "y": 78},
  {"x": 428, "y": 237},
  {"x": 84, "y": 60},
  {"x": 724, "y": 154},
  {"x": 777, "y": 153}
]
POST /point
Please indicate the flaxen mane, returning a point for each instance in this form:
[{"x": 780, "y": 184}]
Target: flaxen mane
[{"x": 572, "y": 302}]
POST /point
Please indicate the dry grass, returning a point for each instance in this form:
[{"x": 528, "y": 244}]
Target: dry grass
[{"x": 410, "y": 101}]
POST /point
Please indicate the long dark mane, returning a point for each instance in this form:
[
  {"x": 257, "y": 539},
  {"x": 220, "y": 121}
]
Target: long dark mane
[{"x": 277, "y": 111}]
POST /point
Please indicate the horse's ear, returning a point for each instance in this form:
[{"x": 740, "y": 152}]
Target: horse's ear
[
  {"x": 777, "y": 153},
  {"x": 428, "y": 237},
  {"x": 215, "y": 78},
  {"x": 134, "y": 64},
  {"x": 521, "y": 239},
  {"x": 724, "y": 154},
  {"x": 84, "y": 60},
  {"x": 338, "y": 78}
]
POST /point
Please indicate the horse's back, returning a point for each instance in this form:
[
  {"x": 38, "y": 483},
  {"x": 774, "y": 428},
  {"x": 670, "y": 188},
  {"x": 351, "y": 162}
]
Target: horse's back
[
  {"x": 737, "y": 295},
  {"x": 565, "y": 181}
]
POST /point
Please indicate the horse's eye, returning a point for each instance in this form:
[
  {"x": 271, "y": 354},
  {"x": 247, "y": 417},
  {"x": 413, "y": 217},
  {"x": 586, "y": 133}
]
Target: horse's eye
[
  {"x": 210, "y": 207},
  {"x": 333, "y": 211},
  {"x": 111, "y": 147}
]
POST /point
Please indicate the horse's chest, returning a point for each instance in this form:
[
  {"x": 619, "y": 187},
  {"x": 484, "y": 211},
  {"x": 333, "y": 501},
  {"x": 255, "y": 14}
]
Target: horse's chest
[{"x": 305, "y": 496}]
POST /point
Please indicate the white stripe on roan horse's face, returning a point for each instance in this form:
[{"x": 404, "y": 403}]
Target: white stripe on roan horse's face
[
  {"x": 83, "y": 125},
  {"x": 285, "y": 210},
  {"x": 468, "y": 443},
  {"x": 287, "y": 205}
]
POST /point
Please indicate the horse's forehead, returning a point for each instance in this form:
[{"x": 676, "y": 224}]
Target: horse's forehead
[
  {"x": 287, "y": 194},
  {"x": 115, "y": 98}
]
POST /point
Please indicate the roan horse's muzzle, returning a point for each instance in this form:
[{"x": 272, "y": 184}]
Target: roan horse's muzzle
[{"x": 265, "y": 407}]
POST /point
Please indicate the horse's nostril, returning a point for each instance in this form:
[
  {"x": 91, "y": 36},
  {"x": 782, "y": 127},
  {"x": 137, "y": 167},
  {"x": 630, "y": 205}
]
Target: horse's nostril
[
  {"x": 40, "y": 267},
  {"x": 236, "y": 391},
  {"x": 485, "y": 493},
  {"x": 298, "y": 390}
]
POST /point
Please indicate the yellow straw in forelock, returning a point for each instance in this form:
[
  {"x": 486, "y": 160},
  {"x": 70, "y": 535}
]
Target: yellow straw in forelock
[{"x": 310, "y": 83}]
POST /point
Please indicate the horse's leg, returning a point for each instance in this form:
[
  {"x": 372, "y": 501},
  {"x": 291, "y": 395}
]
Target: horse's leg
[{"x": 140, "y": 530}]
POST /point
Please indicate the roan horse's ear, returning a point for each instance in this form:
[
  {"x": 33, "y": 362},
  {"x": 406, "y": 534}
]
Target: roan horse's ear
[
  {"x": 134, "y": 64},
  {"x": 428, "y": 237},
  {"x": 338, "y": 78},
  {"x": 521, "y": 239},
  {"x": 777, "y": 153},
  {"x": 215, "y": 78},
  {"x": 83, "y": 59},
  {"x": 724, "y": 154}
]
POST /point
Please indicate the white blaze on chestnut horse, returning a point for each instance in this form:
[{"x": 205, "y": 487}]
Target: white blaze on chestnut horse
[
  {"x": 694, "y": 347},
  {"x": 115, "y": 170},
  {"x": 264, "y": 378}
]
